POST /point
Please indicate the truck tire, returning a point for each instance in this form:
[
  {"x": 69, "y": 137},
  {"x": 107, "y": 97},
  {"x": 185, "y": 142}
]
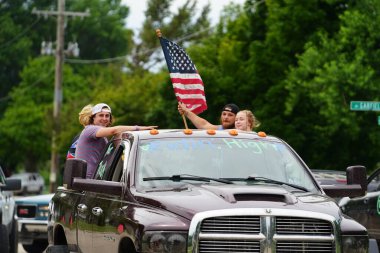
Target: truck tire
[
  {"x": 57, "y": 249},
  {"x": 38, "y": 246},
  {"x": 4, "y": 239}
]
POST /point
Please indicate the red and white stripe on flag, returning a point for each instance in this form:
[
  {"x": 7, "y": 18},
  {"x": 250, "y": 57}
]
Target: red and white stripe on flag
[
  {"x": 189, "y": 89},
  {"x": 187, "y": 83}
]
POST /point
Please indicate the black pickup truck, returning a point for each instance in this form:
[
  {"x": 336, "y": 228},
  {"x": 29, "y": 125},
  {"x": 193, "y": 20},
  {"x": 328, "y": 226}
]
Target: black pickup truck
[
  {"x": 202, "y": 191},
  {"x": 8, "y": 230}
]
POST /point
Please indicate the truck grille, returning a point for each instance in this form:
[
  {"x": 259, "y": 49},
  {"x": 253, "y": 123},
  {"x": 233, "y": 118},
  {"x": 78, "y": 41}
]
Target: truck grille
[
  {"x": 232, "y": 225},
  {"x": 298, "y": 226},
  {"x": 291, "y": 247},
  {"x": 212, "y": 246},
  {"x": 277, "y": 230}
]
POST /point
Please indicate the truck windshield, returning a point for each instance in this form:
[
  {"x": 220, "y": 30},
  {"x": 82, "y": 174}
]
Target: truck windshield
[{"x": 219, "y": 158}]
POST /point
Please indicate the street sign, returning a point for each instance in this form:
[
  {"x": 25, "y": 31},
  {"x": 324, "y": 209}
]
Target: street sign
[
  {"x": 364, "y": 106},
  {"x": 378, "y": 120}
]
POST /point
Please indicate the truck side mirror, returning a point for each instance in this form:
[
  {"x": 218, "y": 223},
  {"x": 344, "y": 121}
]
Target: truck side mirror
[
  {"x": 356, "y": 184},
  {"x": 73, "y": 168},
  {"x": 357, "y": 175},
  {"x": 12, "y": 184}
]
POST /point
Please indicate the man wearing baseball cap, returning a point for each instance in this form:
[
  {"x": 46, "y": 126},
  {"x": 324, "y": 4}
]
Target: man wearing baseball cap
[
  {"x": 102, "y": 107},
  {"x": 227, "y": 117},
  {"x": 93, "y": 138}
]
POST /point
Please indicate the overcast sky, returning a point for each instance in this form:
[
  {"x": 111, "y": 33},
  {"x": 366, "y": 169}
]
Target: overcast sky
[{"x": 137, "y": 8}]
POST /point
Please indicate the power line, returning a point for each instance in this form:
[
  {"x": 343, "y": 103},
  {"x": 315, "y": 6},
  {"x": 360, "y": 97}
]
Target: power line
[
  {"x": 18, "y": 36},
  {"x": 121, "y": 58}
]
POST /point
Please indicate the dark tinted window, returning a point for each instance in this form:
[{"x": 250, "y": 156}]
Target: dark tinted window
[{"x": 108, "y": 163}]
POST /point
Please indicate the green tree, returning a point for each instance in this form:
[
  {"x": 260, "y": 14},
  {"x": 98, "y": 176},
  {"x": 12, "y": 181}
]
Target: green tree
[
  {"x": 329, "y": 75},
  {"x": 186, "y": 21},
  {"x": 27, "y": 122},
  {"x": 252, "y": 60},
  {"x": 101, "y": 35},
  {"x": 13, "y": 55}
]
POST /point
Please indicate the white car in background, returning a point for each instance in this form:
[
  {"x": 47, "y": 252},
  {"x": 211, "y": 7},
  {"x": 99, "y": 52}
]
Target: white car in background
[{"x": 30, "y": 183}]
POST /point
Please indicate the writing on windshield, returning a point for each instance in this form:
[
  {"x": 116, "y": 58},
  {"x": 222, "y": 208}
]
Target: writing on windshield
[
  {"x": 205, "y": 144},
  {"x": 219, "y": 158}
]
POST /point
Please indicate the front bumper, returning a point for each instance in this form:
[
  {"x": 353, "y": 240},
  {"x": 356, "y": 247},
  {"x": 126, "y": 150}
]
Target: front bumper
[{"x": 30, "y": 230}]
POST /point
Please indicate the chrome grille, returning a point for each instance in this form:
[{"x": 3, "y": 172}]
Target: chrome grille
[
  {"x": 232, "y": 225},
  {"x": 302, "y": 226},
  {"x": 262, "y": 230},
  {"x": 242, "y": 246},
  {"x": 318, "y": 247}
]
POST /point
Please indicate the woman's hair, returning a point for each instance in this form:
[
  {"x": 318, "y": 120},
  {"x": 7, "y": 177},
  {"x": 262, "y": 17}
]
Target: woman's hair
[
  {"x": 251, "y": 119},
  {"x": 85, "y": 115}
]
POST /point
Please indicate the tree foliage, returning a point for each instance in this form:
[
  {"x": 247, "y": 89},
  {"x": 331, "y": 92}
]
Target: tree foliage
[
  {"x": 174, "y": 25},
  {"x": 330, "y": 74},
  {"x": 27, "y": 122},
  {"x": 101, "y": 35}
]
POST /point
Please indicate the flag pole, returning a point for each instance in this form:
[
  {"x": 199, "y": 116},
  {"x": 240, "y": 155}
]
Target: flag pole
[
  {"x": 184, "y": 120},
  {"x": 159, "y": 35}
]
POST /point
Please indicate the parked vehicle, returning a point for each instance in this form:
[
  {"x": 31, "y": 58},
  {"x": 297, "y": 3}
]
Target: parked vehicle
[
  {"x": 30, "y": 183},
  {"x": 7, "y": 204},
  {"x": 32, "y": 217},
  {"x": 201, "y": 191},
  {"x": 330, "y": 177},
  {"x": 366, "y": 209}
]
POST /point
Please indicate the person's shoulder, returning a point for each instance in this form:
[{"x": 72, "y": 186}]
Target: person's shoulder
[
  {"x": 90, "y": 130},
  {"x": 92, "y": 127}
]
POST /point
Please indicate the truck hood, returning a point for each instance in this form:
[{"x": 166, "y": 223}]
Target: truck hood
[
  {"x": 37, "y": 199},
  {"x": 191, "y": 199}
]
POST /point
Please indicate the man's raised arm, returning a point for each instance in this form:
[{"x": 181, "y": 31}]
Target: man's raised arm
[{"x": 197, "y": 121}]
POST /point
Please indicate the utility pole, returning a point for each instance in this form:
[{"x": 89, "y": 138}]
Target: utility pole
[{"x": 59, "y": 57}]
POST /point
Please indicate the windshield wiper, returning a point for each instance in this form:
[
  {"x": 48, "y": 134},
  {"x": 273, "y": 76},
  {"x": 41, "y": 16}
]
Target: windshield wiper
[
  {"x": 268, "y": 180},
  {"x": 177, "y": 178}
]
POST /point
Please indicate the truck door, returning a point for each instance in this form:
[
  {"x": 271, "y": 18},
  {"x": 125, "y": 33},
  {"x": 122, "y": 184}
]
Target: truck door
[
  {"x": 66, "y": 214},
  {"x": 108, "y": 209},
  {"x": 97, "y": 232},
  {"x": 366, "y": 209},
  {"x": 85, "y": 221},
  {"x": 6, "y": 203},
  {"x": 372, "y": 201}
]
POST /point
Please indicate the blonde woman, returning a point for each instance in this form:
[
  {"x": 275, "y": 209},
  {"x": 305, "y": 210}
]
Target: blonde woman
[
  {"x": 246, "y": 121},
  {"x": 84, "y": 120}
]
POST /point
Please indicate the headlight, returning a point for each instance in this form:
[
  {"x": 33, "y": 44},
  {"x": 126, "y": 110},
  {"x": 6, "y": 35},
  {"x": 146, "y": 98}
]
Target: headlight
[
  {"x": 164, "y": 242},
  {"x": 355, "y": 244},
  {"x": 43, "y": 211}
]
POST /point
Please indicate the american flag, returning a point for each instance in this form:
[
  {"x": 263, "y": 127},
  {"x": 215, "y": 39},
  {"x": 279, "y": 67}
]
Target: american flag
[{"x": 187, "y": 83}]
